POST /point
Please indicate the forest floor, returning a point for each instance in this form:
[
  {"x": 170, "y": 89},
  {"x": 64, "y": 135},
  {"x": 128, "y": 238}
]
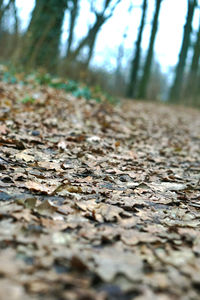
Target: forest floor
[{"x": 97, "y": 201}]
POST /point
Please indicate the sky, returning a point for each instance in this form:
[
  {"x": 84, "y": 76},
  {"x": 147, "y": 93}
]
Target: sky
[{"x": 168, "y": 39}]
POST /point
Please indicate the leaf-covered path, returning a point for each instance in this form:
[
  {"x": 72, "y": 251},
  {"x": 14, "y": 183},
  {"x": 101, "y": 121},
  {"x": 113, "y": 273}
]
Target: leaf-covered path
[{"x": 97, "y": 202}]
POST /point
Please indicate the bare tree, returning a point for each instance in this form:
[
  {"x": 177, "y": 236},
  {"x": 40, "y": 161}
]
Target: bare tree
[
  {"x": 42, "y": 39},
  {"x": 147, "y": 66},
  {"x": 16, "y": 18},
  {"x": 119, "y": 77},
  {"x": 73, "y": 16},
  {"x": 90, "y": 39},
  {"x": 8, "y": 34},
  {"x": 179, "y": 73},
  {"x": 135, "y": 64},
  {"x": 4, "y": 7},
  {"x": 192, "y": 84}
]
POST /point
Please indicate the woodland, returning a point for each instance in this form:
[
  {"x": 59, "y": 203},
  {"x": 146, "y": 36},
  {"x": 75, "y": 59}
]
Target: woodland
[{"x": 99, "y": 176}]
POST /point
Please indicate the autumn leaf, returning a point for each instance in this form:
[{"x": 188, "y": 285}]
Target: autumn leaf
[{"x": 39, "y": 187}]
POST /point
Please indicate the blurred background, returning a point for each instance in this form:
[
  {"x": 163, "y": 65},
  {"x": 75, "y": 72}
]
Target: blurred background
[{"x": 138, "y": 49}]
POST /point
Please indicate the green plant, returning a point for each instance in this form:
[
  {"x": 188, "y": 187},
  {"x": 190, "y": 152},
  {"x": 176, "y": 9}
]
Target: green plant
[
  {"x": 83, "y": 92},
  {"x": 27, "y": 99}
]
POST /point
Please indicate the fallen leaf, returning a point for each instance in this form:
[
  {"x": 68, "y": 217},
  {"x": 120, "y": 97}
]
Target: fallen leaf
[{"x": 39, "y": 187}]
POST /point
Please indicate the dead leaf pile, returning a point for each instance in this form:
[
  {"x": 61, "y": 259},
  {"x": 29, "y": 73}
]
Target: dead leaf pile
[{"x": 97, "y": 202}]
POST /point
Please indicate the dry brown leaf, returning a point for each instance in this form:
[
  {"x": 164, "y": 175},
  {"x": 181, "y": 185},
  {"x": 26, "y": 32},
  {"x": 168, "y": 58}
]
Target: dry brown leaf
[
  {"x": 39, "y": 187},
  {"x": 24, "y": 156}
]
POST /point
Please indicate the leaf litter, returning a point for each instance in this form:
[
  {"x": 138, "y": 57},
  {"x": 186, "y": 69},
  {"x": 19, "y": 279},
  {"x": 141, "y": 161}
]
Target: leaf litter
[{"x": 97, "y": 201}]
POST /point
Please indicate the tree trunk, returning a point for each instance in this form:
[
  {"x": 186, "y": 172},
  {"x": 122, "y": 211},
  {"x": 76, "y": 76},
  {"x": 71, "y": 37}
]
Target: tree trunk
[
  {"x": 93, "y": 36},
  {"x": 4, "y": 33},
  {"x": 118, "y": 72},
  {"x": 90, "y": 39},
  {"x": 136, "y": 60},
  {"x": 195, "y": 65},
  {"x": 196, "y": 55},
  {"x": 147, "y": 66},
  {"x": 4, "y": 8},
  {"x": 42, "y": 38},
  {"x": 176, "y": 88},
  {"x": 191, "y": 92},
  {"x": 16, "y": 18},
  {"x": 73, "y": 16}
]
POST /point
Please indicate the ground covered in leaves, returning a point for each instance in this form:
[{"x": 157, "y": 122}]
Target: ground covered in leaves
[{"x": 97, "y": 202}]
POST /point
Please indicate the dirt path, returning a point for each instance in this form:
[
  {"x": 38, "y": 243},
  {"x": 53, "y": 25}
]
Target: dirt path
[{"x": 97, "y": 202}]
